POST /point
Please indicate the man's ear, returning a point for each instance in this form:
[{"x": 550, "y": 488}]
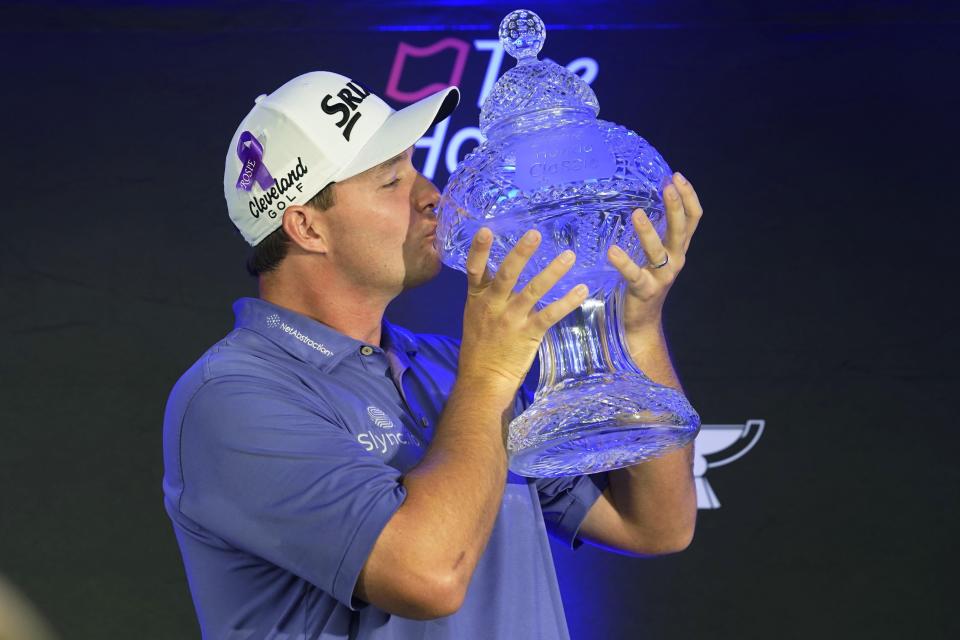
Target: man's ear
[{"x": 305, "y": 227}]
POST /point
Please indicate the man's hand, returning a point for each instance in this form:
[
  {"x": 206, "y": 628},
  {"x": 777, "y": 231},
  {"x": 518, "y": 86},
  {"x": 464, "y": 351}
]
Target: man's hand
[
  {"x": 501, "y": 330},
  {"x": 647, "y": 287}
]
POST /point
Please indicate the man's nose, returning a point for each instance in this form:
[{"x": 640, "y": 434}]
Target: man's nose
[{"x": 426, "y": 194}]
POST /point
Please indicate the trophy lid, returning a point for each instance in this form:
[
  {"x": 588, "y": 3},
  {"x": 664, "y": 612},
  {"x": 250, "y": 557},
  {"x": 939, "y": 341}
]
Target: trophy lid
[{"x": 532, "y": 85}]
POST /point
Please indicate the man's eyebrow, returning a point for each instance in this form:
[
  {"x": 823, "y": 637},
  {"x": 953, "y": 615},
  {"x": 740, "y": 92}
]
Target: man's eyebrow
[{"x": 383, "y": 166}]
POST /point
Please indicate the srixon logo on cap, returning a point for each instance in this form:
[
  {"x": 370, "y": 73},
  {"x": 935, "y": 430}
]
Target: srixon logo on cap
[{"x": 351, "y": 97}]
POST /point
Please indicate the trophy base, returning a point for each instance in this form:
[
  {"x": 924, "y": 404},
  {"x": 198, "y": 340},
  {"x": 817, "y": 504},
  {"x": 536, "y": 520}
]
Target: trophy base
[{"x": 598, "y": 423}]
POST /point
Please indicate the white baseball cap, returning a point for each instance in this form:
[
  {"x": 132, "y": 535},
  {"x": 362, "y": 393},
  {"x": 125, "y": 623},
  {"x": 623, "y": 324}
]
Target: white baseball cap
[{"x": 318, "y": 128}]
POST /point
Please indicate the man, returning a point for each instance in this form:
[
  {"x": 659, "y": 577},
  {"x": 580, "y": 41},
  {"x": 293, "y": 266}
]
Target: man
[{"x": 332, "y": 475}]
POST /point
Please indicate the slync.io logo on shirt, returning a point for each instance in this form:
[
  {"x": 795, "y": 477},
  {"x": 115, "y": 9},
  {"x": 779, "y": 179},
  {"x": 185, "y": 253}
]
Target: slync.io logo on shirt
[
  {"x": 274, "y": 321},
  {"x": 380, "y": 418}
]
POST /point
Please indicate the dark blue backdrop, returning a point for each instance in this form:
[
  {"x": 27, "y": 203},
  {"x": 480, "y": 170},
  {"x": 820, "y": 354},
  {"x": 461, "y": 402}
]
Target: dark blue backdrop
[{"x": 816, "y": 300}]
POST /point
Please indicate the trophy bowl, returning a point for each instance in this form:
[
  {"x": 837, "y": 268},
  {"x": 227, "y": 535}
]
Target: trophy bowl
[{"x": 547, "y": 162}]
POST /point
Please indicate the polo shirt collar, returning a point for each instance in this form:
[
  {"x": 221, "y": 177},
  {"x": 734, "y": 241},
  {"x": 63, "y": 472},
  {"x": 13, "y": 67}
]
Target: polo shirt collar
[
  {"x": 400, "y": 346},
  {"x": 314, "y": 342}
]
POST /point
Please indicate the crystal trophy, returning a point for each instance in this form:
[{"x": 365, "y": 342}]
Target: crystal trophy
[{"x": 547, "y": 162}]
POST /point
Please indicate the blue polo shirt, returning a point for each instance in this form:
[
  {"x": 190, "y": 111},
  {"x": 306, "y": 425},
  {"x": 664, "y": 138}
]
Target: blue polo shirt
[{"x": 284, "y": 448}]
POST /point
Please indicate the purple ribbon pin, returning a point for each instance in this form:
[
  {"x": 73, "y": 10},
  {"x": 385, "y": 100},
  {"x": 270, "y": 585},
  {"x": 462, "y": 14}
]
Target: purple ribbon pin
[{"x": 250, "y": 152}]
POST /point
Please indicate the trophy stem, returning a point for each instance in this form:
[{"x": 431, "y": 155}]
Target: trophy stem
[
  {"x": 594, "y": 409},
  {"x": 587, "y": 342}
]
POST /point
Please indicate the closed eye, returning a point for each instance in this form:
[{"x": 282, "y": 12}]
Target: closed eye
[{"x": 392, "y": 182}]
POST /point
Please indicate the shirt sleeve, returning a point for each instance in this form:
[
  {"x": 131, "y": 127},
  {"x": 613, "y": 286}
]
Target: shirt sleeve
[
  {"x": 564, "y": 501},
  {"x": 265, "y": 470}
]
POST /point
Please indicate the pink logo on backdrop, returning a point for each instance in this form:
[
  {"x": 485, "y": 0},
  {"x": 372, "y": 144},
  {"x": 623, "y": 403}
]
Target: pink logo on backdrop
[{"x": 405, "y": 50}]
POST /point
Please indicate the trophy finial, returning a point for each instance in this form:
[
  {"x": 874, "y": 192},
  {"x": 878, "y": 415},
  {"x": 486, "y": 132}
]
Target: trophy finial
[{"x": 522, "y": 34}]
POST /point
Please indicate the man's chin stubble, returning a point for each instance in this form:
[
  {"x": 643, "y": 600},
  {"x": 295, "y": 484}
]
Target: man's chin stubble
[{"x": 425, "y": 275}]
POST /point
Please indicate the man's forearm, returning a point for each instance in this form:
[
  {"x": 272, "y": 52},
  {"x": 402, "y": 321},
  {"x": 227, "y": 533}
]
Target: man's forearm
[
  {"x": 649, "y": 352},
  {"x": 657, "y": 497},
  {"x": 456, "y": 489}
]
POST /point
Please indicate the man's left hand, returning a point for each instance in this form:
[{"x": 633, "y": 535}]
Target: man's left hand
[{"x": 646, "y": 286}]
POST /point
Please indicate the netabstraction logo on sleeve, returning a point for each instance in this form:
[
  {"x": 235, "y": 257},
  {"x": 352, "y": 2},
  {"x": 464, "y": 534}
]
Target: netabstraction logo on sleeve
[{"x": 274, "y": 321}]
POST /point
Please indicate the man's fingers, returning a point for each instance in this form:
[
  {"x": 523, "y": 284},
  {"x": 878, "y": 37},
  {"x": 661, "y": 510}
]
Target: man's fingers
[
  {"x": 691, "y": 206},
  {"x": 540, "y": 284},
  {"x": 509, "y": 270},
  {"x": 477, "y": 258},
  {"x": 676, "y": 221},
  {"x": 556, "y": 311},
  {"x": 649, "y": 239}
]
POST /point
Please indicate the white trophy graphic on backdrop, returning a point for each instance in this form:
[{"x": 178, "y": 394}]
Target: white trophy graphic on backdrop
[{"x": 717, "y": 445}]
